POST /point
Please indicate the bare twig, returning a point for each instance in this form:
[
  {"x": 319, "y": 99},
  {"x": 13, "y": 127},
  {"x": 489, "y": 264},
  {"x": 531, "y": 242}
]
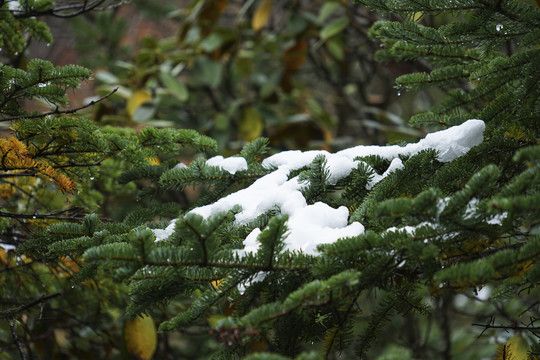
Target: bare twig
[
  {"x": 58, "y": 11},
  {"x": 57, "y": 111},
  {"x": 509, "y": 327},
  {"x": 10, "y": 314},
  {"x": 52, "y": 215},
  {"x": 490, "y": 325},
  {"x": 16, "y": 339}
]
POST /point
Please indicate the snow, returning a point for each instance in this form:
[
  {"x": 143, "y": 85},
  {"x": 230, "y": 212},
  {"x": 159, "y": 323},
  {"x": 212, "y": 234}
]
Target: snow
[
  {"x": 251, "y": 243},
  {"x": 319, "y": 224},
  {"x": 162, "y": 234},
  {"x": 410, "y": 229},
  {"x": 396, "y": 164},
  {"x": 450, "y": 143},
  {"x": 311, "y": 225},
  {"x": 230, "y": 164},
  {"x": 14, "y": 6},
  {"x": 267, "y": 192},
  {"x": 472, "y": 209},
  {"x": 7, "y": 247},
  {"x": 180, "y": 166},
  {"x": 484, "y": 293},
  {"x": 497, "y": 219}
]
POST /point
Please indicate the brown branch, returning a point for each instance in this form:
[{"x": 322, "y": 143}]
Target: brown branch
[{"x": 58, "y": 112}]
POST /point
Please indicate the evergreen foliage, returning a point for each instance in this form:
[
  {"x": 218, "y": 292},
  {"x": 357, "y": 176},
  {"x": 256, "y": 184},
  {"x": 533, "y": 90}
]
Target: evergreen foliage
[
  {"x": 435, "y": 232},
  {"x": 51, "y": 160},
  {"x": 490, "y": 58}
]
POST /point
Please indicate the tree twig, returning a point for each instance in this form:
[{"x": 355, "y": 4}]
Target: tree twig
[
  {"x": 10, "y": 314},
  {"x": 58, "y": 112},
  {"x": 16, "y": 339},
  {"x": 52, "y": 216},
  {"x": 511, "y": 327},
  {"x": 57, "y": 11}
]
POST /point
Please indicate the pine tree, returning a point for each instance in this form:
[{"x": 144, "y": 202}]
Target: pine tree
[{"x": 369, "y": 252}]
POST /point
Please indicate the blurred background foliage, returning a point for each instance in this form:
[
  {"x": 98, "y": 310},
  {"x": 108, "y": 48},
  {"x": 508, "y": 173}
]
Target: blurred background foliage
[{"x": 300, "y": 72}]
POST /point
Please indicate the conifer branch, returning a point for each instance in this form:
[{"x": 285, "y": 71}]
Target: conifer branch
[{"x": 59, "y": 112}]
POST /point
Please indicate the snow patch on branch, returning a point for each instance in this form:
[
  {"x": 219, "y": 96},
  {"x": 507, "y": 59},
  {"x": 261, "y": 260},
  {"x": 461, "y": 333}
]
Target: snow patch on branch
[
  {"x": 162, "y": 234},
  {"x": 230, "y": 164},
  {"x": 311, "y": 225}
]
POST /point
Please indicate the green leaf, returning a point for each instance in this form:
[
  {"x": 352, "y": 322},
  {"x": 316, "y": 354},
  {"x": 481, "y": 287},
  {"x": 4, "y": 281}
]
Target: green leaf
[
  {"x": 107, "y": 77},
  {"x": 251, "y": 124},
  {"x": 175, "y": 86},
  {"x": 208, "y": 72},
  {"x": 212, "y": 42},
  {"x": 327, "y": 9},
  {"x": 144, "y": 113},
  {"x": 336, "y": 48},
  {"x": 334, "y": 28}
]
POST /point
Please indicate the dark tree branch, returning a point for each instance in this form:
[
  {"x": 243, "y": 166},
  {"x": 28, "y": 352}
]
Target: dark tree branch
[
  {"x": 57, "y": 111},
  {"x": 52, "y": 215},
  {"x": 16, "y": 339},
  {"x": 490, "y": 325},
  {"x": 10, "y": 314},
  {"x": 59, "y": 11}
]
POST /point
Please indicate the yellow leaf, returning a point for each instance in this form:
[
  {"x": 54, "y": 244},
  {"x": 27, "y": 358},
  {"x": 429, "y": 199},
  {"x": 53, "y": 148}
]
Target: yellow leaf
[
  {"x": 141, "y": 337},
  {"x": 65, "y": 184},
  {"x": 215, "y": 284},
  {"x": 3, "y": 257},
  {"x": 417, "y": 16},
  {"x": 262, "y": 14},
  {"x": 519, "y": 347},
  {"x": 138, "y": 98},
  {"x": 516, "y": 348},
  {"x": 6, "y": 190},
  {"x": 251, "y": 124}
]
